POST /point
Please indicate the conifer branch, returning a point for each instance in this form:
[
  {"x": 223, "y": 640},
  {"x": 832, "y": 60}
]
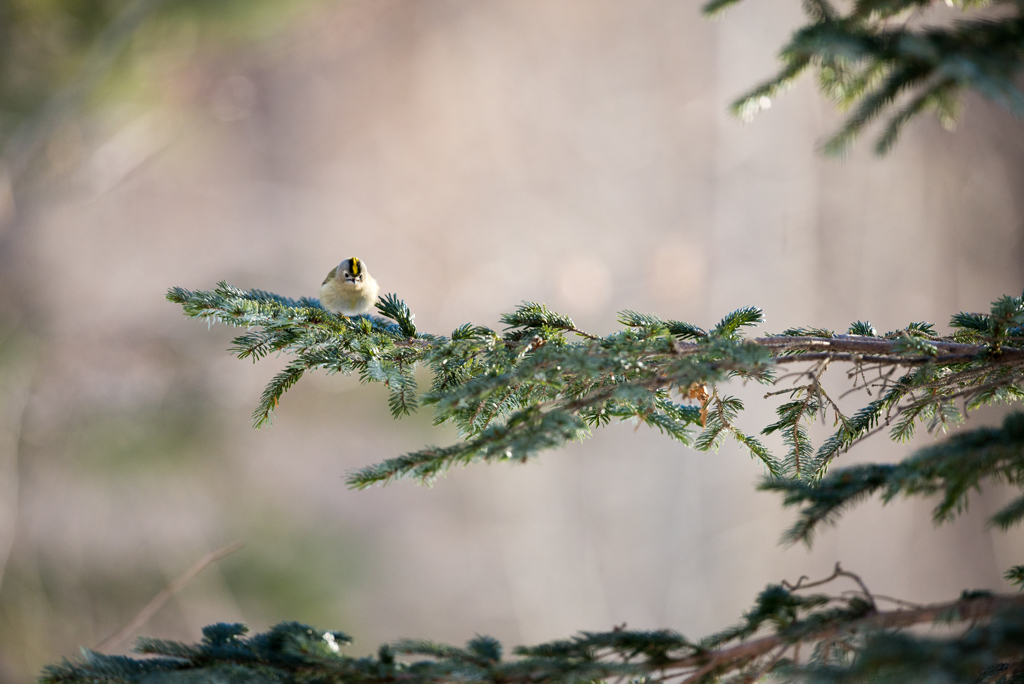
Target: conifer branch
[
  {"x": 291, "y": 651},
  {"x": 874, "y": 59},
  {"x": 534, "y": 388},
  {"x": 952, "y": 468}
]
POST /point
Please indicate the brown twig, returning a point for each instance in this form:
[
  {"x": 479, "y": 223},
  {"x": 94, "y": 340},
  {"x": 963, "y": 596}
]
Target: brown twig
[
  {"x": 761, "y": 671},
  {"x": 963, "y": 610},
  {"x": 888, "y": 359},
  {"x": 166, "y": 594},
  {"x": 837, "y": 572},
  {"x": 861, "y": 344},
  {"x": 891, "y": 599},
  {"x": 582, "y": 333}
]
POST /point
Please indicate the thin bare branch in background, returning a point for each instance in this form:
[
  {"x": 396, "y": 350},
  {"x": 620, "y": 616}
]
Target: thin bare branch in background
[
  {"x": 18, "y": 398},
  {"x": 165, "y": 595}
]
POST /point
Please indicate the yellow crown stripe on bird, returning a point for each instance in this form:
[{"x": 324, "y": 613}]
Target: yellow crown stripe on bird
[{"x": 349, "y": 289}]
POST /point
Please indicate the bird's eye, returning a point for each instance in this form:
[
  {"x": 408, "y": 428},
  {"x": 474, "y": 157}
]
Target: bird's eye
[{"x": 347, "y": 274}]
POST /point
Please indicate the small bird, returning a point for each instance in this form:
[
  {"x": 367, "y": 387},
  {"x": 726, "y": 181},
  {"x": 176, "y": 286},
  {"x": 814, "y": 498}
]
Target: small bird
[{"x": 349, "y": 289}]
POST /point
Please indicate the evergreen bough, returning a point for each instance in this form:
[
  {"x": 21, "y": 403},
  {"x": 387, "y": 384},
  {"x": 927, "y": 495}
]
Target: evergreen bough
[
  {"x": 895, "y": 59},
  {"x": 543, "y": 382}
]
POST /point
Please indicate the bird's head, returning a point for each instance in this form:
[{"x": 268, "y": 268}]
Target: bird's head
[{"x": 352, "y": 270}]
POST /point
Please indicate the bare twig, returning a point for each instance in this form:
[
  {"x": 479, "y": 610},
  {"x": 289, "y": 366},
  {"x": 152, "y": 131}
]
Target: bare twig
[
  {"x": 22, "y": 385},
  {"x": 761, "y": 671},
  {"x": 166, "y": 594},
  {"x": 891, "y": 599},
  {"x": 817, "y": 583},
  {"x": 961, "y": 611},
  {"x": 582, "y": 333},
  {"x": 856, "y": 578},
  {"x": 861, "y": 344},
  {"x": 837, "y": 572}
]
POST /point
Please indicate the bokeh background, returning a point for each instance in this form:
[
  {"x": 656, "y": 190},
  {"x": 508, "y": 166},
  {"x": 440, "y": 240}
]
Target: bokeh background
[{"x": 474, "y": 155}]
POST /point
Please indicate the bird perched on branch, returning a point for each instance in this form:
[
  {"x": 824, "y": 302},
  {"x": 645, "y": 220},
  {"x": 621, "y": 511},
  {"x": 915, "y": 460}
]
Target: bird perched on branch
[{"x": 349, "y": 289}]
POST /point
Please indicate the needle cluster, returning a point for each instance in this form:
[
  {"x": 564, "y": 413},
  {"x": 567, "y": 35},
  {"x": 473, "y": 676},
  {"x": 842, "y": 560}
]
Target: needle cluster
[
  {"x": 895, "y": 59},
  {"x": 544, "y": 382}
]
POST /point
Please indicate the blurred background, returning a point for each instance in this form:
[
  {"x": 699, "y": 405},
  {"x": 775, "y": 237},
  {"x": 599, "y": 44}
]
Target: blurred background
[{"x": 473, "y": 155}]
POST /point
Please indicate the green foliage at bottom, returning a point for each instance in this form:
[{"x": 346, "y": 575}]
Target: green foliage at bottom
[{"x": 833, "y": 629}]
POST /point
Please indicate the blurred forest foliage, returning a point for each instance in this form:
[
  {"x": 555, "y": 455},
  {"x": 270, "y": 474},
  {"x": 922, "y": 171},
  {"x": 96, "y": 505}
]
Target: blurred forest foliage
[
  {"x": 66, "y": 68},
  {"x": 115, "y": 427},
  {"x": 59, "y": 59}
]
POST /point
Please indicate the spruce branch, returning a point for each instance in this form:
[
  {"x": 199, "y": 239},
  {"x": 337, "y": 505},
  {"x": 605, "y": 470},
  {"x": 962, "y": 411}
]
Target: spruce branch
[
  {"x": 295, "y": 652},
  {"x": 545, "y": 382},
  {"x": 952, "y": 469},
  {"x": 873, "y": 58}
]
